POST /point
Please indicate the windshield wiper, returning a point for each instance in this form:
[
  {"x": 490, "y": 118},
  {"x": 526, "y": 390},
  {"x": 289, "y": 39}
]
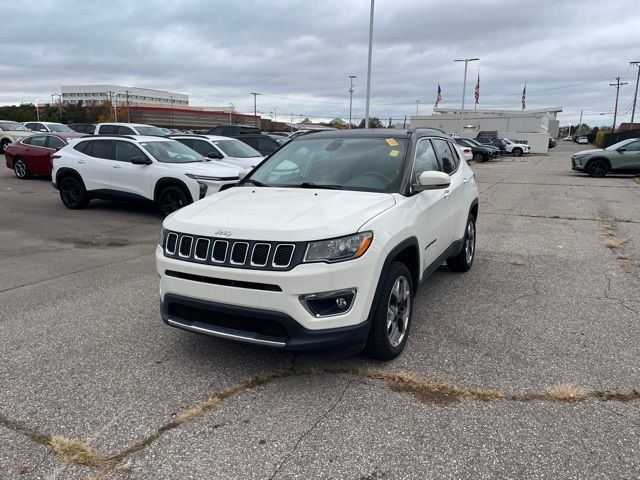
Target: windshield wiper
[
  {"x": 314, "y": 185},
  {"x": 255, "y": 182}
]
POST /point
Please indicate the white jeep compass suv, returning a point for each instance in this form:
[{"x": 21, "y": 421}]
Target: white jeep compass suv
[
  {"x": 323, "y": 245},
  {"x": 125, "y": 167}
]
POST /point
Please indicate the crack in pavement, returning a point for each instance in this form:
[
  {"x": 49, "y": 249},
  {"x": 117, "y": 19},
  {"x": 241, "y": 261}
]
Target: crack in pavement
[
  {"x": 309, "y": 430},
  {"x": 559, "y": 217}
]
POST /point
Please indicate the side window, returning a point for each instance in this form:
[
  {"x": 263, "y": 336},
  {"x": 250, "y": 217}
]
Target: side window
[
  {"x": 125, "y": 151},
  {"x": 30, "y": 126},
  {"x": 455, "y": 155},
  {"x": 266, "y": 146},
  {"x": 252, "y": 142},
  {"x": 445, "y": 155},
  {"x": 125, "y": 131},
  {"x": 41, "y": 128},
  {"x": 425, "y": 159},
  {"x": 54, "y": 142},
  {"x": 186, "y": 141},
  {"x": 82, "y": 147},
  {"x": 633, "y": 147},
  {"x": 39, "y": 141},
  {"x": 27, "y": 141},
  {"x": 202, "y": 147},
  {"x": 108, "y": 129},
  {"x": 102, "y": 149}
]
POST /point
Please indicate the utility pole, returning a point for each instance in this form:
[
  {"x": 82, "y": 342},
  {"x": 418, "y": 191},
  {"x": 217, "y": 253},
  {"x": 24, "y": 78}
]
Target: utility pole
[
  {"x": 464, "y": 87},
  {"x": 615, "y": 112},
  {"x": 417, "y": 103},
  {"x": 37, "y": 110},
  {"x": 580, "y": 124},
  {"x": 230, "y": 114},
  {"x": 635, "y": 95},
  {"x": 275, "y": 114},
  {"x": 351, "y": 77},
  {"x": 404, "y": 123},
  {"x": 59, "y": 105},
  {"x": 128, "y": 114},
  {"x": 366, "y": 115},
  {"x": 111, "y": 103},
  {"x": 255, "y": 109},
  {"x": 171, "y": 99}
]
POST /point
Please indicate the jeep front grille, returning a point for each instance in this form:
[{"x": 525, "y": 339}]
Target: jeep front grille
[{"x": 250, "y": 254}]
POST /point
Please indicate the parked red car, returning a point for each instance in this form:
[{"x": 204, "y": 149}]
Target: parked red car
[{"x": 32, "y": 155}]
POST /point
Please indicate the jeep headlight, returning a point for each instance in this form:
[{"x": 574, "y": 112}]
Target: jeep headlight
[
  {"x": 339, "y": 249},
  {"x": 163, "y": 236}
]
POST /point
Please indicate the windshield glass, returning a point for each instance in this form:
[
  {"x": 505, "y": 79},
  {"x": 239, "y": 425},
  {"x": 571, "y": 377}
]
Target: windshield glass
[
  {"x": 172, "y": 152},
  {"x": 365, "y": 164},
  {"x": 236, "y": 148},
  {"x": 280, "y": 140},
  {"x": 150, "y": 131},
  {"x": 53, "y": 127},
  {"x": 474, "y": 143},
  {"x": 615, "y": 146},
  {"x": 13, "y": 127}
]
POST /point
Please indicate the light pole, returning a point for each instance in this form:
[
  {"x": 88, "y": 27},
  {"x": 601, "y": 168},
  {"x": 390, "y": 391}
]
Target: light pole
[
  {"x": 171, "y": 100},
  {"x": 351, "y": 77},
  {"x": 37, "y": 110},
  {"x": 464, "y": 86},
  {"x": 275, "y": 115},
  {"x": 230, "y": 114},
  {"x": 366, "y": 117},
  {"x": 255, "y": 109},
  {"x": 417, "y": 103}
]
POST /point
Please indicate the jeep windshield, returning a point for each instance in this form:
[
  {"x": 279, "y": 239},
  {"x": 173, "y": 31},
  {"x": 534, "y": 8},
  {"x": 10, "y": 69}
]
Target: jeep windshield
[
  {"x": 236, "y": 148},
  {"x": 171, "y": 151},
  {"x": 369, "y": 164}
]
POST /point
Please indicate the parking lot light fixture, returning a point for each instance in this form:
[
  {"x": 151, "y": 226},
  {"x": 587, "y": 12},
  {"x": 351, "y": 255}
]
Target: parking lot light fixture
[
  {"x": 464, "y": 87},
  {"x": 37, "y": 110},
  {"x": 366, "y": 116}
]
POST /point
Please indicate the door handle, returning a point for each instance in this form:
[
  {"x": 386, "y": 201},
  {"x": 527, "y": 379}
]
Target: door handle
[
  {"x": 81, "y": 161},
  {"x": 117, "y": 166},
  {"x": 465, "y": 180},
  {"x": 446, "y": 193}
]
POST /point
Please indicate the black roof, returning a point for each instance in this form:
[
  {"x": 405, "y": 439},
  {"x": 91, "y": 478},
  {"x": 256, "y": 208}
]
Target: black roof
[{"x": 377, "y": 133}]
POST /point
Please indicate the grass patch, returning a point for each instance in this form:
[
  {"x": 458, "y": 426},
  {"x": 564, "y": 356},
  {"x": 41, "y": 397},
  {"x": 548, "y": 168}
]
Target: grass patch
[
  {"x": 431, "y": 390},
  {"x": 636, "y": 179},
  {"x": 623, "y": 396},
  {"x": 566, "y": 393},
  {"x": 617, "y": 243},
  {"x": 517, "y": 263},
  {"x": 75, "y": 451}
]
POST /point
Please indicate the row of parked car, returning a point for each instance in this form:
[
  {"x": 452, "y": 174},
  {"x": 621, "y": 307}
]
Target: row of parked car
[{"x": 483, "y": 149}]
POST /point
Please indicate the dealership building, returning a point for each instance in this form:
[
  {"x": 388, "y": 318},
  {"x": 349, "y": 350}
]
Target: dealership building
[
  {"x": 533, "y": 127},
  {"x": 96, "y": 94}
]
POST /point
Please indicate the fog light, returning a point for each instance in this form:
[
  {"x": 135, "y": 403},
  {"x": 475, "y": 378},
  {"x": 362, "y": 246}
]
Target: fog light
[
  {"x": 325, "y": 304},
  {"x": 203, "y": 190}
]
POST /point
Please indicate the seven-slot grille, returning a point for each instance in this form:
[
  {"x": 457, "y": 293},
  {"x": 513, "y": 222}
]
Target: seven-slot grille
[{"x": 233, "y": 253}]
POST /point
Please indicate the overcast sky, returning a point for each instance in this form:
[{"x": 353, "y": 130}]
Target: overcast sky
[{"x": 298, "y": 54}]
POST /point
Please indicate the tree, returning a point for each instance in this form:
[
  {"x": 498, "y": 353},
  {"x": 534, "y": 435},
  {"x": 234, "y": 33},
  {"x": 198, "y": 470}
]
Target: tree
[{"x": 374, "y": 122}]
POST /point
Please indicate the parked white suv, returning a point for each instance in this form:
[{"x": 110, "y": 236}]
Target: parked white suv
[
  {"x": 224, "y": 149},
  {"x": 324, "y": 244},
  {"x": 515, "y": 149},
  {"x": 136, "y": 167},
  {"x": 10, "y": 132},
  {"x": 119, "y": 128}
]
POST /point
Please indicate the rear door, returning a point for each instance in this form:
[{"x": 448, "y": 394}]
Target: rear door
[
  {"x": 128, "y": 178},
  {"x": 455, "y": 194}
]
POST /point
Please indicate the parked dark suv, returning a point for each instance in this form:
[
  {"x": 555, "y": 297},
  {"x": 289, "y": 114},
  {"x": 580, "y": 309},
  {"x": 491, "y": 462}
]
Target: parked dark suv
[
  {"x": 232, "y": 130},
  {"x": 481, "y": 153},
  {"x": 495, "y": 142}
]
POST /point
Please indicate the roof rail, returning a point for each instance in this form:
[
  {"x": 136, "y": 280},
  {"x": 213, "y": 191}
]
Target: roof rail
[
  {"x": 186, "y": 135},
  {"x": 427, "y": 128}
]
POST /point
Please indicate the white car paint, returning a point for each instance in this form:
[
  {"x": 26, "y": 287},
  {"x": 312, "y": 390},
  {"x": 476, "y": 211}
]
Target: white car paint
[
  {"x": 224, "y": 146},
  {"x": 465, "y": 152},
  {"x": 11, "y": 132},
  {"x": 47, "y": 127},
  {"x": 511, "y": 146}
]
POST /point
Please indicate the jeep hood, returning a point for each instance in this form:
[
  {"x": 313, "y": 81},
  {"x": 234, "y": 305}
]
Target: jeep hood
[{"x": 280, "y": 214}]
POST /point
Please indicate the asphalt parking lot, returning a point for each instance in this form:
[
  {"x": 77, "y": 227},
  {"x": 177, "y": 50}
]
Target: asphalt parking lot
[{"x": 86, "y": 358}]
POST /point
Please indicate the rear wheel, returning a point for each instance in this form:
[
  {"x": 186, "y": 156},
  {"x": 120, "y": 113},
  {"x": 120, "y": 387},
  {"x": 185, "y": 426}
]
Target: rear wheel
[
  {"x": 392, "y": 315},
  {"x": 73, "y": 193},
  {"x": 21, "y": 169},
  {"x": 517, "y": 152},
  {"x": 4, "y": 144},
  {"x": 172, "y": 198},
  {"x": 597, "y": 168},
  {"x": 463, "y": 260}
]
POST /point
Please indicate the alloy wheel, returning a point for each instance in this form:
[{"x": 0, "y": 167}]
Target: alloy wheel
[
  {"x": 20, "y": 168},
  {"x": 470, "y": 242},
  {"x": 398, "y": 311}
]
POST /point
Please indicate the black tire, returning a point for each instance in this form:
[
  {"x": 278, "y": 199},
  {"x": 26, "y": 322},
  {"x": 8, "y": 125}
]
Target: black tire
[
  {"x": 463, "y": 260},
  {"x": 597, "y": 168},
  {"x": 3, "y": 145},
  {"x": 73, "y": 194},
  {"x": 379, "y": 344},
  {"x": 172, "y": 198},
  {"x": 478, "y": 157},
  {"x": 516, "y": 152},
  {"x": 21, "y": 169}
]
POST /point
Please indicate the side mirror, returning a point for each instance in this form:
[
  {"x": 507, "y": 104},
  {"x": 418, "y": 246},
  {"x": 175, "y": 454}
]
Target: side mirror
[
  {"x": 622, "y": 149},
  {"x": 214, "y": 155},
  {"x": 140, "y": 160},
  {"x": 431, "y": 180},
  {"x": 243, "y": 173},
  {"x": 42, "y": 129}
]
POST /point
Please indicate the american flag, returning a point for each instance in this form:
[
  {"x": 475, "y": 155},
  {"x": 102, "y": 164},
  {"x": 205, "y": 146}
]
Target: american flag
[
  {"x": 524, "y": 96},
  {"x": 477, "y": 93},
  {"x": 438, "y": 97}
]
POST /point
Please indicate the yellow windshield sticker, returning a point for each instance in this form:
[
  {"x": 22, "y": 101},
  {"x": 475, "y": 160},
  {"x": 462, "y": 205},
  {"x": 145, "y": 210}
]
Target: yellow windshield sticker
[
  {"x": 392, "y": 142},
  {"x": 394, "y": 153}
]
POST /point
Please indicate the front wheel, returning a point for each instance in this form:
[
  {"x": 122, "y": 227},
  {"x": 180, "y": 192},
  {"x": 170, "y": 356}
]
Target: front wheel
[
  {"x": 171, "y": 199},
  {"x": 391, "y": 320},
  {"x": 463, "y": 260},
  {"x": 477, "y": 157},
  {"x": 597, "y": 168},
  {"x": 517, "y": 152},
  {"x": 21, "y": 169}
]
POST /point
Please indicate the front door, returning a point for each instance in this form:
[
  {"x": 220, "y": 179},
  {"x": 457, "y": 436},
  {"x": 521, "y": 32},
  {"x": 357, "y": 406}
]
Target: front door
[{"x": 128, "y": 178}]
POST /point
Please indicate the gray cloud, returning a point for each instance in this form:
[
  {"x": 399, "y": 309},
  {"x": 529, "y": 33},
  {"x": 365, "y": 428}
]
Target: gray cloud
[{"x": 302, "y": 51}]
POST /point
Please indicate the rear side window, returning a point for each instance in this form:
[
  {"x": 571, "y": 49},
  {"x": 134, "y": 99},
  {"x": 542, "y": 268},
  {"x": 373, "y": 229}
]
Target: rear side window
[
  {"x": 82, "y": 147},
  {"x": 125, "y": 131},
  {"x": 447, "y": 157},
  {"x": 108, "y": 129},
  {"x": 125, "y": 151},
  {"x": 38, "y": 141},
  {"x": 54, "y": 142},
  {"x": 267, "y": 145},
  {"x": 102, "y": 149}
]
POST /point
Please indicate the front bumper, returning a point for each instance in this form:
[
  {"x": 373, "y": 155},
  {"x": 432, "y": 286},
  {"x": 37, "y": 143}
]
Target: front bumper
[
  {"x": 257, "y": 326},
  {"x": 576, "y": 165}
]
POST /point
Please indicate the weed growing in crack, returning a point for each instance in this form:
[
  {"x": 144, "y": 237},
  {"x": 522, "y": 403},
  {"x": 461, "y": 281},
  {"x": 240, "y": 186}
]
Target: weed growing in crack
[
  {"x": 616, "y": 243},
  {"x": 517, "y": 263},
  {"x": 75, "y": 451}
]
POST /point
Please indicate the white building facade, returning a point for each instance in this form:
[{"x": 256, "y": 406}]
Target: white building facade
[
  {"x": 533, "y": 127},
  {"x": 96, "y": 94}
]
